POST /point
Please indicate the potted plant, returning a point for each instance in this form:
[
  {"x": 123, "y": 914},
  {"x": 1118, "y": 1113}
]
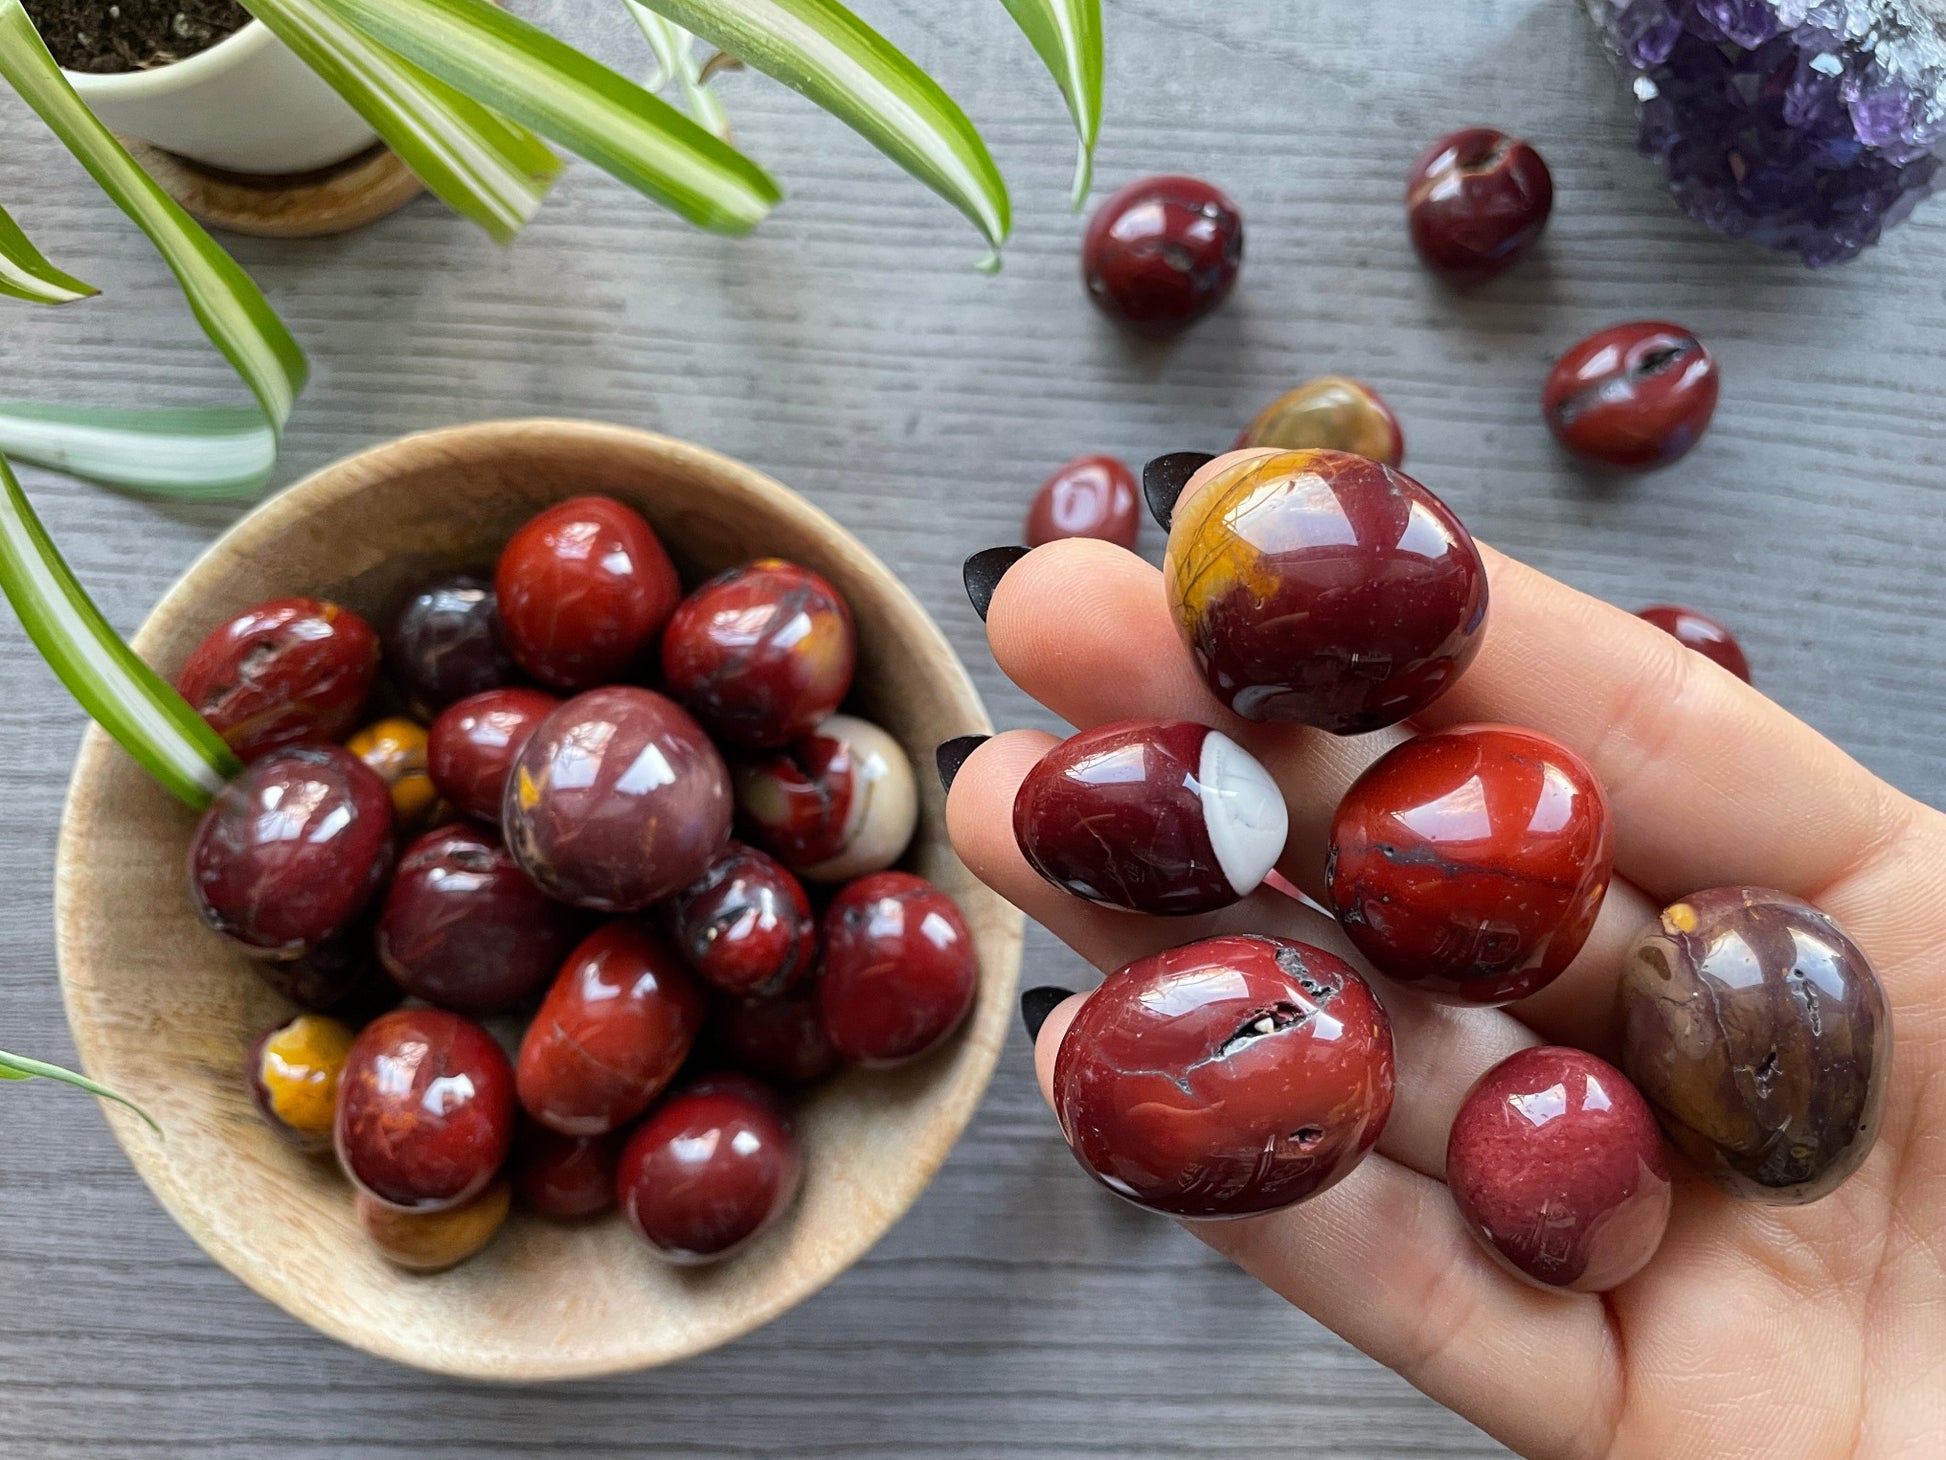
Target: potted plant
[
  {"x": 454, "y": 91},
  {"x": 227, "y": 93},
  {"x": 465, "y": 94}
]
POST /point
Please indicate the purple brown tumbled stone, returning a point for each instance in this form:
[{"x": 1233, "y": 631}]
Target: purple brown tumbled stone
[
  {"x": 1760, "y": 1034},
  {"x": 1556, "y": 1164},
  {"x": 445, "y": 644},
  {"x": 465, "y": 929},
  {"x": 1154, "y": 816},
  {"x": 617, "y": 800},
  {"x": 1324, "y": 588}
]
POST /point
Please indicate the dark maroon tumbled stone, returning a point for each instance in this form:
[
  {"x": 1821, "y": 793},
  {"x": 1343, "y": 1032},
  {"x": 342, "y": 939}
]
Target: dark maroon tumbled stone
[
  {"x": 1091, "y": 496},
  {"x": 1155, "y": 816},
  {"x": 290, "y": 670},
  {"x": 781, "y": 1040},
  {"x": 425, "y": 1110},
  {"x": 292, "y": 850},
  {"x": 1325, "y": 588},
  {"x": 464, "y": 927},
  {"x": 1162, "y": 252},
  {"x": 899, "y": 969},
  {"x": 711, "y": 1169},
  {"x": 471, "y": 747},
  {"x": 1476, "y": 202}
]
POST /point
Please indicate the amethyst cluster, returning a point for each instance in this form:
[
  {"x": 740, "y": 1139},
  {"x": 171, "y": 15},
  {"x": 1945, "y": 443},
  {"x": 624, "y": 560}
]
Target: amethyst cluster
[{"x": 1810, "y": 125}]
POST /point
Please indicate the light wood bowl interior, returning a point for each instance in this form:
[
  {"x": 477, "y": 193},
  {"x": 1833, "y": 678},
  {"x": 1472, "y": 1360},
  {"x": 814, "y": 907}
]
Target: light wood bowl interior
[{"x": 164, "y": 1012}]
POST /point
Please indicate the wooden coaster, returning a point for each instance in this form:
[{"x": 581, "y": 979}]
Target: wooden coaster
[{"x": 358, "y": 191}]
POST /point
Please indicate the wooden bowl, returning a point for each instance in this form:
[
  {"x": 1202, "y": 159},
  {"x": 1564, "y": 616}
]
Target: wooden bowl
[{"x": 163, "y": 1011}]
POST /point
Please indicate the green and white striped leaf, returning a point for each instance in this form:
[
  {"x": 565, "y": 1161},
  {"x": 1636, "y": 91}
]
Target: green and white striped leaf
[
  {"x": 483, "y": 166},
  {"x": 1067, "y": 35},
  {"x": 26, "y": 274},
  {"x": 675, "y": 60},
  {"x": 821, "y": 49},
  {"x": 207, "y": 454},
  {"x": 524, "y": 73},
  {"x": 126, "y": 698},
  {"x": 230, "y": 308},
  {"x": 19, "y": 1067}
]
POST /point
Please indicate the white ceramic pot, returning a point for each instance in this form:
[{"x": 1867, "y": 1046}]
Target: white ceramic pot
[{"x": 246, "y": 104}]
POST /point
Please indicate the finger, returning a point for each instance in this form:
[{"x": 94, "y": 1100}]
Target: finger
[
  {"x": 1082, "y": 627},
  {"x": 1438, "y": 1051},
  {"x": 1384, "y": 1261},
  {"x": 1711, "y": 783}
]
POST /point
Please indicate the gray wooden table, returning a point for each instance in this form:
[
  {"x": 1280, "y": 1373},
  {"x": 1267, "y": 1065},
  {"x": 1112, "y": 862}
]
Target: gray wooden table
[{"x": 850, "y": 349}]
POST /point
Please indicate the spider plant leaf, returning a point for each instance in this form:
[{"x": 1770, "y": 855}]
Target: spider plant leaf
[
  {"x": 524, "y": 73},
  {"x": 19, "y": 1067},
  {"x": 230, "y": 308},
  {"x": 26, "y": 274},
  {"x": 126, "y": 698},
  {"x": 675, "y": 60},
  {"x": 201, "y": 454},
  {"x": 821, "y": 49},
  {"x": 484, "y": 167},
  {"x": 1067, "y": 35}
]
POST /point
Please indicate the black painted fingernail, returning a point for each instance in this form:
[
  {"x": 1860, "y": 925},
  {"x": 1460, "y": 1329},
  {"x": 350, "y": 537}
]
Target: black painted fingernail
[
  {"x": 1164, "y": 478},
  {"x": 983, "y": 572},
  {"x": 1037, "y": 1004},
  {"x": 952, "y": 754}
]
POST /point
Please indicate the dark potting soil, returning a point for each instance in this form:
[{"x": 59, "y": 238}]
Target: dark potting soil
[{"x": 132, "y": 35}]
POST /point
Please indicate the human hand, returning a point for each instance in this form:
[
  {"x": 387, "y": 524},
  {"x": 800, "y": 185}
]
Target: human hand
[{"x": 1817, "y": 1330}]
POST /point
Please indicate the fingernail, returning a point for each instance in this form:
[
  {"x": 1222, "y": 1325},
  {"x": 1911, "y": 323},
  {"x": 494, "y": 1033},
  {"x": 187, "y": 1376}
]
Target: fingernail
[
  {"x": 1037, "y": 1004},
  {"x": 952, "y": 754},
  {"x": 983, "y": 572},
  {"x": 1164, "y": 478}
]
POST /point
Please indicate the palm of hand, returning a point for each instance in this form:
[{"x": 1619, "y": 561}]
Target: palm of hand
[{"x": 1756, "y": 1330}]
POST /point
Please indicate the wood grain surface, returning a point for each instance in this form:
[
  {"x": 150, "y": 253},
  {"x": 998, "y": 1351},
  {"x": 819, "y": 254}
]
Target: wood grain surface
[{"x": 850, "y": 350}]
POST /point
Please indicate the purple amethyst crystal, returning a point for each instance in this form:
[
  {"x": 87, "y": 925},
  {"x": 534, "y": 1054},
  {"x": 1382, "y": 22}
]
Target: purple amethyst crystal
[{"x": 1810, "y": 125}]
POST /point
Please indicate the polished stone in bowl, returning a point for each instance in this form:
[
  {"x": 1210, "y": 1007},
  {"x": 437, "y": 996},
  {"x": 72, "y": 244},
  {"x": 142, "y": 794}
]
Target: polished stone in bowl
[{"x": 162, "y": 1010}]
